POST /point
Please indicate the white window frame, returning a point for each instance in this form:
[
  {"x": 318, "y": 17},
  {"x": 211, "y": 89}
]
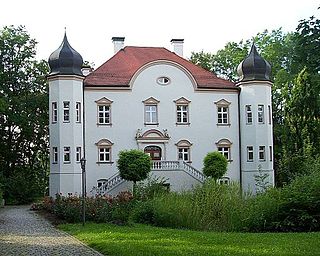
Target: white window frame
[
  {"x": 262, "y": 150},
  {"x": 104, "y": 147},
  {"x": 224, "y": 147},
  {"x": 101, "y": 182},
  {"x": 184, "y": 151},
  {"x": 78, "y": 154},
  {"x": 78, "y": 112},
  {"x": 54, "y": 112},
  {"x": 249, "y": 114},
  {"x": 55, "y": 155},
  {"x": 250, "y": 151},
  {"x": 260, "y": 114},
  {"x": 66, "y": 155},
  {"x": 224, "y": 181},
  {"x": 104, "y": 154},
  {"x": 66, "y": 111},
  {"x": 182, "y": 111},
  {"x": 223, "y": 112},
  {"x": 151, "y": 111},
  {"x": 225, "y": 151},
  {"x": 104, "y": 115}
]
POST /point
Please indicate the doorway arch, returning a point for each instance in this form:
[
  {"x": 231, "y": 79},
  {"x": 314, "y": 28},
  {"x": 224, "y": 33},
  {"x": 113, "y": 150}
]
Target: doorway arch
[{"x": 154, "y": 152}]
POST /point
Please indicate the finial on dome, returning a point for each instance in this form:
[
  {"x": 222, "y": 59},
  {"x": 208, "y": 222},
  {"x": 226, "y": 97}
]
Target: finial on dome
[
  {"x": 65, "y": 60},
  {"x": 254, "y": 67}
]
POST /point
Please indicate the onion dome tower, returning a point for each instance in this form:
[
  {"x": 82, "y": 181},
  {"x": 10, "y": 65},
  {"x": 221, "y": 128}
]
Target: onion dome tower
[
  {"x": 256, "y": 130},
  {"x": 65, "y": 60},
  {"x": 65, "y": 124}
]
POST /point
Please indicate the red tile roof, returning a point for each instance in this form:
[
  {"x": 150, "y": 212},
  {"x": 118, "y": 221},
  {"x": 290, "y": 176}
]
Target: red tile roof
[{"x": 118, "y": 71}]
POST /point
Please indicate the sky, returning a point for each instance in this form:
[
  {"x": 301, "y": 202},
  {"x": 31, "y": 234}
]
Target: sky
[{"x": 203, "y": 24}]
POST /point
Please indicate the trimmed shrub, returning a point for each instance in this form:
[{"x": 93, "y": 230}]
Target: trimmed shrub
[{"x": 215, "y": 165}]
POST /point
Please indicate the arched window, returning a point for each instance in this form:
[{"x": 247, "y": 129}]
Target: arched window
[
  {"x": 224, "y": 147},
  {"x": 184, "y": 152}
]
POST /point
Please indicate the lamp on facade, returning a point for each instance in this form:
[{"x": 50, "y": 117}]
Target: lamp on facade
[{"x": 83, "y": 168}]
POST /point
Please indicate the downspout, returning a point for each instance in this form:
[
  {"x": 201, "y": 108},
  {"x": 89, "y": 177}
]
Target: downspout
[{"x": 239, "y": 124}]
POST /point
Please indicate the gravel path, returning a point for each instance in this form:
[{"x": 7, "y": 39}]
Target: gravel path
[{"x": 23, "y": 232}]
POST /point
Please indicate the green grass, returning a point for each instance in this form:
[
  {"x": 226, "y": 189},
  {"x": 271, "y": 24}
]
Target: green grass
[{"x": 147, "y": 240}]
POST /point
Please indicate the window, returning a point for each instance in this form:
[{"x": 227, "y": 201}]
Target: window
[
  {"x": 270, "y": 153},
  {"x": 103, "y": 114},
  {"x": 78, "y": 154},
  {"x": 54, "y": 112},
  {"x": 224, "y": 181},
  {"x": 224, "y": 151},
  {"x": 223, "y": 112},
  {"x": 262, "y": 153},
  {"x": 104, "y": 155},
  {"x": 54, "y": 155},
  {"x": 260, "y": 114},
  {"x": 104, "y": 111},
  {"x": 250, "y": 153},
  {"x": 269, "y": 113},
  {"x": 78, "y": 112},
  {"x": 101, "y": 182},
  {"x": 104, "y": 151},
  {"x": 151, "y": 114},
  {"x": 224, "y": 147},
  {"x": 66, "y": 154},
  {"x": 183, "y": 154},
  {"x": 163, "y": 80},
  {"x": 182, "y": 107},
  {"x": 184, "y": 150},
  {"x": 248, "y": 114},
  {"x": 151, "y": 111},
  {"x": 66, "y": 111}
]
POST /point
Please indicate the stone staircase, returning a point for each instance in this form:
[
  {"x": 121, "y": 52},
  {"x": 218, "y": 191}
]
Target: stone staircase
[{"x": 115, "y": 180}]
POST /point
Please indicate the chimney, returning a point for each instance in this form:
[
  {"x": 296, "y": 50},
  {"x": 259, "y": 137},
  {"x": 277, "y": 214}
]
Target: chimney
[
  {"x": 118, "y": 43},
  {"x": 177, "y": 46}
]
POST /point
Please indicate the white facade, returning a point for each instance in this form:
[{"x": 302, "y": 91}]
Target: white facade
[{"x": 164, "y": 113}]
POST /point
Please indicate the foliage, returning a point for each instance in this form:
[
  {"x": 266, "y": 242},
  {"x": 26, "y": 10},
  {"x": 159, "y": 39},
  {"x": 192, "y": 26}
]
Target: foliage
[
  {"x": 134, "y": 165},
  {"x": 98, "y": 209},
  {"x": 261, "y": 181},
  {"x": 150, "y": 188},
  {"x": 215, "y": 165},
  {"x": 23, "y": 116},
  {"x": 145, "y": 240}
]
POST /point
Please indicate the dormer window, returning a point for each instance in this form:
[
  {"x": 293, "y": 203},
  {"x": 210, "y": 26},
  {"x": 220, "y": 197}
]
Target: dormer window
[{"x": 163, "y": 80}]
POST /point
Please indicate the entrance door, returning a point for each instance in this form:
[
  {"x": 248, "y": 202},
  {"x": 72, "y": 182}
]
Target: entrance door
[{"x": 154, "y": 152}]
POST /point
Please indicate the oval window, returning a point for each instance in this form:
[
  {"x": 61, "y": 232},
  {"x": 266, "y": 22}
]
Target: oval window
[{"x": 163, "y": 80}]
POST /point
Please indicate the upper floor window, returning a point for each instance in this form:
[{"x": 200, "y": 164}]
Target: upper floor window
[
  {"x": 223, "y": 112},
  {"x": 104, "y": 151},
  {"x": 261, "y": 114},
  {"x": 54, "y": 155},
  {"x": 250, "y": 153},
  {"x": 66, "y": 111},
  {"x": 78, "y": 112},
  {"x": 78, "y": 154},
  {"x": 183, "y": 147},
  {"x": 224, "y": 147},
  {"x": 249, "y": 116},
  {"x": 66, "y": 154},
  {"x": 182, "y": 108},
  {"x": 151, "y": 111},
  {"x": 104, "y": 111},
  {"x": 54, "y": 112},
  {"x": 262, "y": 153}
]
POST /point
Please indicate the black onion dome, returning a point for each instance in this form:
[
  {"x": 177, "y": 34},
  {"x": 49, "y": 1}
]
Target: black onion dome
[
  {"x": 254, "y": 67},
  {"x": 65, "y": 60}
]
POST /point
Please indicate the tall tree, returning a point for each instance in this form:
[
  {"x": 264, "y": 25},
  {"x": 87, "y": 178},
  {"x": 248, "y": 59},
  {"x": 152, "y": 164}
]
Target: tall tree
[{"x": 23, "y": 115}]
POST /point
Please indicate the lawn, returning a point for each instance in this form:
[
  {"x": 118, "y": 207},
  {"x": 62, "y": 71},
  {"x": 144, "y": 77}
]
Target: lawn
[{"x": 147, "y": 240}]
